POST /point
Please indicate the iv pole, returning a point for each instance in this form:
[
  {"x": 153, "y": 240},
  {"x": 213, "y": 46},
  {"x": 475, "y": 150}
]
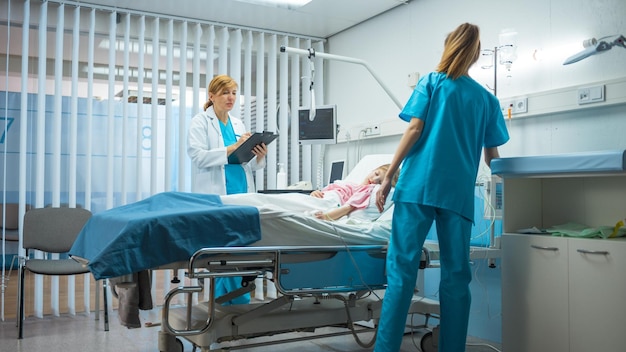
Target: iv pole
[{"x": 311, "y": 53}]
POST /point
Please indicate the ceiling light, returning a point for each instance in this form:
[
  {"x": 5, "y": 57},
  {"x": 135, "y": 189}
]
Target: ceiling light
[{"x": 285, "y": 4}]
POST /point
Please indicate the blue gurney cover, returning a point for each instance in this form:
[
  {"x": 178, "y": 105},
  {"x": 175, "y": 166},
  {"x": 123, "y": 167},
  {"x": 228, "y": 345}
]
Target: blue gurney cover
[{"x": 173, "y": 225}]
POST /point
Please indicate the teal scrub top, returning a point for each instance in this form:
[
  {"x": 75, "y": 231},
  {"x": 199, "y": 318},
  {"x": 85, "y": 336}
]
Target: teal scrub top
[
  {"x": 234, "y": 173},
  {"x": 460, "y": 118}
]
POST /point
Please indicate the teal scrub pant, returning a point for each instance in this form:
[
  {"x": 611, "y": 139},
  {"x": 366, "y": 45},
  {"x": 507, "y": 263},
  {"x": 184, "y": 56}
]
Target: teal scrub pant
[
  {"x": 410, "y": 226},
  {"x": 223, "y": 285}
]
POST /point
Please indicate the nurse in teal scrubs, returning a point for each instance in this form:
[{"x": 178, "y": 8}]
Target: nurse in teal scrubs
[
  {"x": 213, "y": 135},
  {"x": 451, "y": 119}
]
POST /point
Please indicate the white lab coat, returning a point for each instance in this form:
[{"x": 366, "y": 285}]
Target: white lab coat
[{"x": 205, "y": 147}]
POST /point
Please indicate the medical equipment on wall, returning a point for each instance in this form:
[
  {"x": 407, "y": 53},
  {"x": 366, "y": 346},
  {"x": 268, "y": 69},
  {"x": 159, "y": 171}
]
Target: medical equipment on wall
[
  {"x": 493, "y": 201},
  {"x": 322, "y": 129},
  {"x": 311, "y": 53},
  {"x": 593, "y": 47}
]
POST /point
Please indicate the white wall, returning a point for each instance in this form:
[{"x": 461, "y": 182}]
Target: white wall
[{"x": 410, "y": 38}]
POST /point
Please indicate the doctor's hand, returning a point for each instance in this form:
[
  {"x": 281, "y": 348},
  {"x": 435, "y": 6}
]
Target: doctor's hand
[
  {"x": 260, "y": 150},
  {"x": 244, "y": 137},
  {"x": 381, "y": 195}
]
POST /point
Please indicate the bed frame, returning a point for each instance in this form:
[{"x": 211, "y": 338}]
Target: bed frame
[{"x": 347, "y": 293}]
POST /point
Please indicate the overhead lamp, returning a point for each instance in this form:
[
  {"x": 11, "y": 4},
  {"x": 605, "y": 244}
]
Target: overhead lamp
[{"x": 593, "y": 47}]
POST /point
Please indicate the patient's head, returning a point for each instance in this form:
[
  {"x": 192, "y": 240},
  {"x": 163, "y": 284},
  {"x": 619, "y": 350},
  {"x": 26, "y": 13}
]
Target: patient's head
[{"x": 378, "y": 174}]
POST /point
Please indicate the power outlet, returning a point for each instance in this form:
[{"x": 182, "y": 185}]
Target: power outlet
[
  {"x": 588, "y": 95},
  {"x": 373, "y": 130},
  {"x": 517, "y": 106}
]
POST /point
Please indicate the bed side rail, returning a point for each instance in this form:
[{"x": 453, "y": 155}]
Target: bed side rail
[{"x": 291, "y": 266}]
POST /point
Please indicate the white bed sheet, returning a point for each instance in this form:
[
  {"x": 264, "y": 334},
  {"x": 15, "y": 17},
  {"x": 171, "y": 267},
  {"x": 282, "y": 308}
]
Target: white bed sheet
[{"x": 287, "y": 220}]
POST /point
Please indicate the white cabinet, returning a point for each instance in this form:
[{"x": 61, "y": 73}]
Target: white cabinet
[
  {"x": 562, "y": 293},
  {"x": 534, "y": 294},
  {"x": 597, "y": 295}
]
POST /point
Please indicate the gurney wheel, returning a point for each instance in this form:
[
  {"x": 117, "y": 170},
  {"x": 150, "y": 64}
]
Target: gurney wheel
[
  {"x": 177, "y": 346},
  {"x": 426, "y": 344}
]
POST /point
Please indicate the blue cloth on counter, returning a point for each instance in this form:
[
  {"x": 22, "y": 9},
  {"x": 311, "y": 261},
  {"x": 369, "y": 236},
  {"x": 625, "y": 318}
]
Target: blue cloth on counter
[{"x": 162, "y": 229}]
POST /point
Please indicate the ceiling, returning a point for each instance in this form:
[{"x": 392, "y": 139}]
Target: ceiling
[{"x": 318, "y": 19}]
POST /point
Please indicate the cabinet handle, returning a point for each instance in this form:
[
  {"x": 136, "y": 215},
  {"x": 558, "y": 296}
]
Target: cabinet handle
[
  {"x": 544, "y": 248},
  {"x": 586, "y": 251}
]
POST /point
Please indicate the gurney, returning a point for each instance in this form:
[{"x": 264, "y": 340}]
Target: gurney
[
  {"x": 350, "y": 291},
  {"x": 327, "y": 274}
]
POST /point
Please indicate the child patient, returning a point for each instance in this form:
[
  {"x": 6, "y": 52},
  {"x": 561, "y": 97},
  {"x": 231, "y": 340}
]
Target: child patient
[{"x": 349, "y": 195}]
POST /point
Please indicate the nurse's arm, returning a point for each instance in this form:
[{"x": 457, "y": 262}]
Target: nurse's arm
[
  {"x": 411, "y": 135},
  {"x": 490, "y": 154}
]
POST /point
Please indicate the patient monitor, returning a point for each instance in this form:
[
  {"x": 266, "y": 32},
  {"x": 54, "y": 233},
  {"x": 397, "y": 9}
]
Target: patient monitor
[{"x": 336, "y": 171}]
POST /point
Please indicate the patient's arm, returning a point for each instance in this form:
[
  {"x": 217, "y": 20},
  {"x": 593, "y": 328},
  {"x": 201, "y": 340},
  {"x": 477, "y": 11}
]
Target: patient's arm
[
  {"x": 336, "y": 213},
  {"x": 317, "y": 194}
]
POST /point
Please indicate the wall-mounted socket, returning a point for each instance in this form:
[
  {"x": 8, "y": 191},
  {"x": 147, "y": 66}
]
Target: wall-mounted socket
[
  {"x": 517, "y": 106},
  {"x": 413, "y": 78},
  {"x": 588, "y": 95},
  {"x": 373, "y": 130}
]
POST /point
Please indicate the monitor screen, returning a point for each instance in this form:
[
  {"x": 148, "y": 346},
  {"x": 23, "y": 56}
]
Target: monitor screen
[
  {"x": 336, "y": 171},
  {"x": 323, "y": 128}
]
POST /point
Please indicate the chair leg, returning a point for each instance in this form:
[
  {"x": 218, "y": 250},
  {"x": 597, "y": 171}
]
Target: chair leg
[
  {"x": 97, "y": 299},
  {"x": 20, "y": 309},
  {"x": 105, "y": 285}
]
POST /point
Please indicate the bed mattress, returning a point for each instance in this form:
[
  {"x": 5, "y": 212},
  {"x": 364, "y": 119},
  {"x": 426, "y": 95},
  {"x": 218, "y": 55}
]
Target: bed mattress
[{"x": 169, "y": 227}]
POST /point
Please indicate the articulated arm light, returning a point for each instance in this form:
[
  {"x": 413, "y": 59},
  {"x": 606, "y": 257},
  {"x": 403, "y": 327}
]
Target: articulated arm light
[
  {"x": 595, "y": 47},
  {"x": 309, "y": 52}
]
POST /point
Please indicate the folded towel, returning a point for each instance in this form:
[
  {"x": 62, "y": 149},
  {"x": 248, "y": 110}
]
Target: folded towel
[{"x": 572, "y": 229}]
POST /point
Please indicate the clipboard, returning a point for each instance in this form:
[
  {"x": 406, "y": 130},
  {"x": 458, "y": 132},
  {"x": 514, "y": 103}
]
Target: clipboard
[{"x": 244, "y": 152}]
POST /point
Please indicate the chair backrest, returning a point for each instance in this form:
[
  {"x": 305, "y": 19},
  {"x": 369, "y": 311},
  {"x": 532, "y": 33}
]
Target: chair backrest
[
  {"x": 12, "y": 215},
  {"x": 53, "y": 230}
]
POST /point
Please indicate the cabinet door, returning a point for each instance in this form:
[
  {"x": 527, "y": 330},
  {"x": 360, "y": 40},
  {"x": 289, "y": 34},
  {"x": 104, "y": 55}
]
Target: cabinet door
[
  {"x": 534, "y": 293},
  {"x": 597, "y": 294}
]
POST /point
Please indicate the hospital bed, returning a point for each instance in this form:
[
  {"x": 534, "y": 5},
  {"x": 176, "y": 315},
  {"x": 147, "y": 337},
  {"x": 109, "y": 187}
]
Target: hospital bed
[{"x": 327, "y": 273}]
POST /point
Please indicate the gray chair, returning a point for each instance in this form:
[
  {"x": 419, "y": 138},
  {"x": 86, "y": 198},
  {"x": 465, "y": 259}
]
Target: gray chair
[
  {"x": 11, "y": 221},
  {"x": 52, "y": 230},
  {"x": 9, "y": 225}
]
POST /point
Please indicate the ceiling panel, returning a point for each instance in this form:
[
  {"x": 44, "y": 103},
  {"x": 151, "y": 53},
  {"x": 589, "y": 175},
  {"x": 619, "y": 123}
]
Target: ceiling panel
[{"x": 319, "y": 18}]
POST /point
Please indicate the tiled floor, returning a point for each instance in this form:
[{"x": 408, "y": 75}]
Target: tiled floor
[{"x": 83, "y": 333}]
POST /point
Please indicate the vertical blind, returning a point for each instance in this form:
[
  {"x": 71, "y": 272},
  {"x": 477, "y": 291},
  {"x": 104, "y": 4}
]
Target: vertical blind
[{"x": 96, "y": 102}]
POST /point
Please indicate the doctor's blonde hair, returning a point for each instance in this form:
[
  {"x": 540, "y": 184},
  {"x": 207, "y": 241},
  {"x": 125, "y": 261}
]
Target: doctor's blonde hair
[
  {"x": 218, "y": 83},
  {"x": 461, "y": 50}
]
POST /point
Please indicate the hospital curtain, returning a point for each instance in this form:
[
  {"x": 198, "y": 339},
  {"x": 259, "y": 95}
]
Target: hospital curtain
[{"x": 95, "y": 103}]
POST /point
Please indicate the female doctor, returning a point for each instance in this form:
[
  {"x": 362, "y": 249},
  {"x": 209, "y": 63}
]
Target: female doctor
[{"x": 213, "y": 135}]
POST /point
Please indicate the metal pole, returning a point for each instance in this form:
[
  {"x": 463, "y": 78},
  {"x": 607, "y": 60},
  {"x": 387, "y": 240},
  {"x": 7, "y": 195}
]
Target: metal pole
[{"x": 312, "y": 52}]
